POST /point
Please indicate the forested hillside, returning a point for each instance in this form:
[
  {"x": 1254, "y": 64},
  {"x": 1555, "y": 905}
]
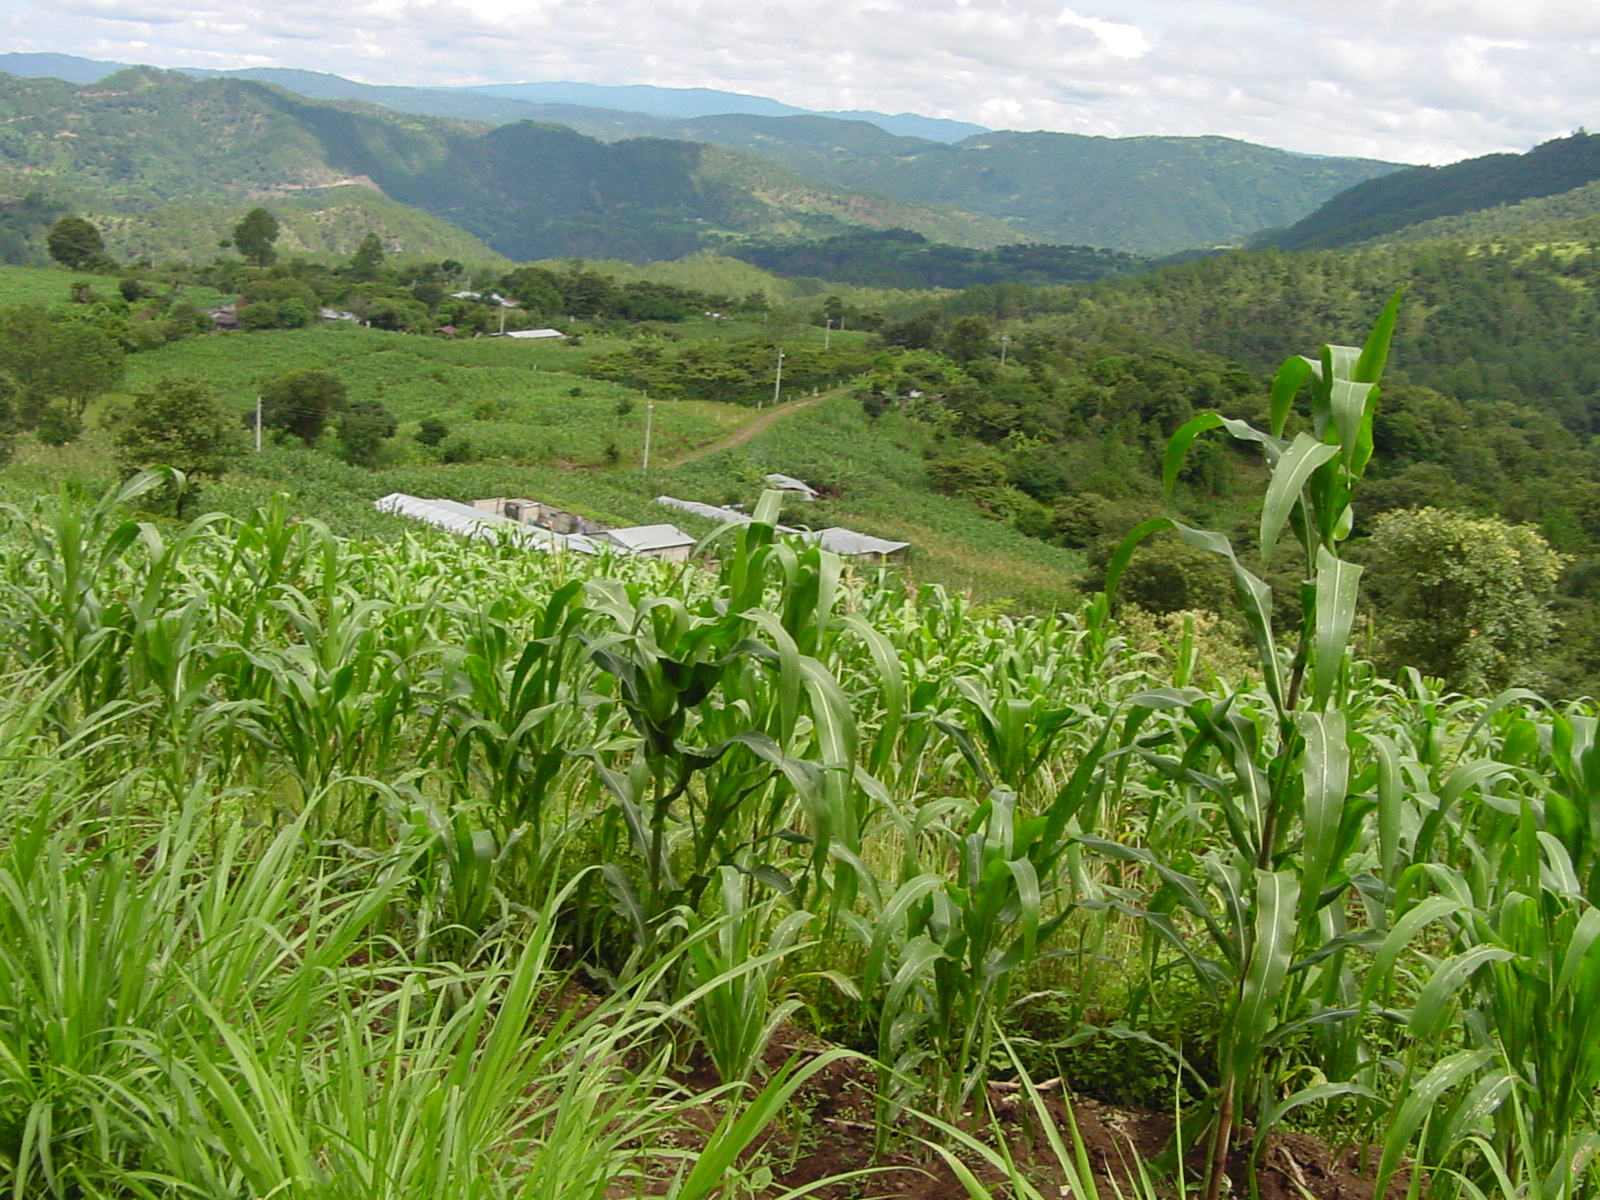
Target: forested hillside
[
  {"x": 143, "y": 138},
  {"x": 1382, "y": 206},
  {"x": 1144, "y": 195},
  {"x": 898, "y": 258},
  {"x": 1504, "y": 321}
]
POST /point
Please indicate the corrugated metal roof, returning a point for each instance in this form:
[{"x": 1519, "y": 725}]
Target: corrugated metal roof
[
  {"x": 847, "y": 543},
  {"x": 788, "y": 483},
  {"x": 530, "y": 333},
  {"x": 709, "y": 511},
  {"x": 713, "y": 513},
  {"x": 471, "y": 522},
  {"x": 640, "y": 539}
]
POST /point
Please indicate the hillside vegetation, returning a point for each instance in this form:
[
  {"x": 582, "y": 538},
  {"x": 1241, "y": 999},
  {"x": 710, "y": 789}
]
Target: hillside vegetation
[
  {"x": 327, "y": 223},
  {"x": 428, "y": 867},
  {"x": 1143, "y": 195},
  {"x": 1385, "y": 205},
  {"x": 141, "y": 138}
]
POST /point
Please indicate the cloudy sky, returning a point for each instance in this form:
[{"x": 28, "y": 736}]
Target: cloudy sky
[{"x": 1408, "y": 80}]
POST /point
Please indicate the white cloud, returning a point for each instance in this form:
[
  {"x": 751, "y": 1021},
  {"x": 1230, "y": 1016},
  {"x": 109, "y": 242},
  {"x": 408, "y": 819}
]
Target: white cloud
[
  {"x": 1414, "y": 80},
  {"x": 1121, "y": 39}
]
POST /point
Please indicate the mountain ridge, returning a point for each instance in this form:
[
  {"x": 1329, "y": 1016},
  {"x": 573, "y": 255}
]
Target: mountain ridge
[
  {"x": 1061, "y": 188},
  {"x": 143, "y": 137},
  {"x": 501, "y": 101},
  {"x": 1378, "y": 207}
]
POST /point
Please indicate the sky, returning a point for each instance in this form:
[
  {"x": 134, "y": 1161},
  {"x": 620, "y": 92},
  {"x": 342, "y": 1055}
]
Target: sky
[{"x": 1428, "y": 81}]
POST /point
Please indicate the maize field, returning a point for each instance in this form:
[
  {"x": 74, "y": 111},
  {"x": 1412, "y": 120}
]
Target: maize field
[{"x": 308, "y": 844}]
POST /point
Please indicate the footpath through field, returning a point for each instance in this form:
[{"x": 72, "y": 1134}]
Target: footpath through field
[{"x": 744, "y": 433}]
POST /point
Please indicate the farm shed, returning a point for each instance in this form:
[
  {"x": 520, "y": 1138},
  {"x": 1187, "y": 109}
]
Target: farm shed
[
  {"x": 847, "y": 543},
  {"x": 712, "y": 513},
  {"x": 468, "y": 521},
  {"x": 530, "y": 333},
  {"x": 535, "y": 512},
  {"x": 709, "y": 511},
  {"x": 666, "y": 542}
]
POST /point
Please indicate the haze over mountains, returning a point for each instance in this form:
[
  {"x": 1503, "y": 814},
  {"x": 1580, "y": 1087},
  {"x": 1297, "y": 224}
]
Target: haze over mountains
[{"x": 499, "y": 103}]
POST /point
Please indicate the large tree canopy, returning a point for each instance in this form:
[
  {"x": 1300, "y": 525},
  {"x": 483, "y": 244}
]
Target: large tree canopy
[
  {"x": 255, "y": 235},
  {"x": 52, "y": 362},
  {"x": 1463, "y": 598},
  {"x": 74, "y": 242},
  {"x": 178, "y": 423},
  {"x": 301, "y": 402}
]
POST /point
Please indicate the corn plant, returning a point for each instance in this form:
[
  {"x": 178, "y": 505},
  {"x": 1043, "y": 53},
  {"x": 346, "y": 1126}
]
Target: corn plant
[
  {"x": 730, "y": 968},
  {"x": 1525, "y": 975},
  {"x": 1268, "y": 897},
  {"x": 941, "y": 951},
  {"x": 735, "y": 679}
]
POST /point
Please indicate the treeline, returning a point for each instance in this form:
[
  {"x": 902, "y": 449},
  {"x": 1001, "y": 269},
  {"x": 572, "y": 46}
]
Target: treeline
[
  {"x": 408, "y": 297},
  {"x": 1505, "y": 322},
  {"x": 1064, "y": 441},
  {"x": 744, "y": 372},
  {"x": 899, "y": 258}
]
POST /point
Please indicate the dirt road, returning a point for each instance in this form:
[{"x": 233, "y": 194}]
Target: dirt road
[{"x": 745, "y": 433}]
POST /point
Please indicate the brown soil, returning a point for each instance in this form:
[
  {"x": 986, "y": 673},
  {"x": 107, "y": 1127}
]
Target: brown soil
[{"x": 828, "y": 1131}]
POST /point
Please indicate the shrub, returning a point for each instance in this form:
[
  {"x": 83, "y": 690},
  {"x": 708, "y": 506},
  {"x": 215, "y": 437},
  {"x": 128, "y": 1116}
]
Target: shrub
[{"x": 1463, "y": 598}]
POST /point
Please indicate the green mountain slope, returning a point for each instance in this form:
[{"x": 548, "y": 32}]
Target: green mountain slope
[
  {"x": 1509, "y": 321},
  {"x": 501, "y": 103},
  {"x": 1379, "y": 207},
  {"x": 141, "y": 138},
  {"x": 320, "y": 224},
  {"x": 1145, "y": 195},
  {"x": 1559, "y": 218}
]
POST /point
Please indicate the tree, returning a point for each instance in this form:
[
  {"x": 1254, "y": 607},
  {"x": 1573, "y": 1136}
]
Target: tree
[
  {"x": 1463, "y": 598},
  {"x": 55, "y": 362},
  {"x": 254, "y": 236},
  {"x": 178, "y": 423},
  {"x": 967, "y": 339},
  {"x": 363, "y": 430},
  {"x": 301, "y": 402},
  {"x": 74, "y": 243},
  {"x": 431, "y": 431},
  {"x": 367, "y": 261},
  {"x": 920, "y": 332}
]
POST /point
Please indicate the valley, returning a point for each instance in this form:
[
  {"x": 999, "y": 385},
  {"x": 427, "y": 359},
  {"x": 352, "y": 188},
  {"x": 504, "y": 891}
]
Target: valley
[{"x": 1116, "y": 719}]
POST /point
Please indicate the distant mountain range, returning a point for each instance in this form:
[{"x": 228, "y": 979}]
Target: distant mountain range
[
  {"x": 500, "y": 103},
  {"x": 1146, "y": 196},
  {"x": 143, "y": 138}
]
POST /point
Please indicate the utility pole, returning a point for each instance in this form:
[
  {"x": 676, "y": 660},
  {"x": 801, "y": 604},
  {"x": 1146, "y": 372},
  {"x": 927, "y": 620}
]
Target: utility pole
[
  {"x": 1005, "y": 341},
  {"x": 777, "y": 382},
  {"x": 258, "y": 424},
  {"x": 502, "y": 318},
  {"x": 649, "y": 420},
  {"x": 827, "y": 335}
]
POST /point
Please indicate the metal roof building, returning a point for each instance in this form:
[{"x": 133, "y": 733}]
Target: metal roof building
[
  {"x": 847, "y": 543},
  {"x": 666, "y": 542},
  {"x": 710, "y": 511},
  {"x": 471, "y": 522}
]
